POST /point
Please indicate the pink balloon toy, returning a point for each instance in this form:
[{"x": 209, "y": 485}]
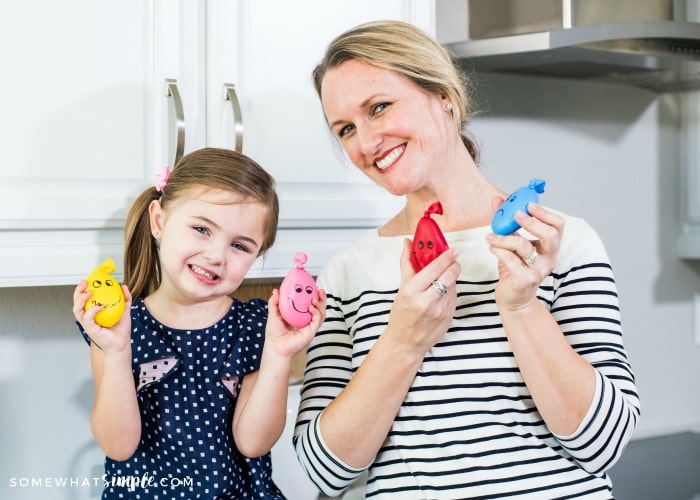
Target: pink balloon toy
[{"x": 297, "y": 290}]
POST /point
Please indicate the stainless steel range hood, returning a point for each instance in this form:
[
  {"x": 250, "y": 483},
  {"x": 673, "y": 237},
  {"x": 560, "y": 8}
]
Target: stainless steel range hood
[{"x": 629, "y": 42}]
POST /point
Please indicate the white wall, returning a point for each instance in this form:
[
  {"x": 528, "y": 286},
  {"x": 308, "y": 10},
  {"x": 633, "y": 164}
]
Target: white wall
[{"x": 609, "y": 154}]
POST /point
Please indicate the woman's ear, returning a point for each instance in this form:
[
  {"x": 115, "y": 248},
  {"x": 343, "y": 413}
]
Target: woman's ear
[{"x": 156, "y": 218}]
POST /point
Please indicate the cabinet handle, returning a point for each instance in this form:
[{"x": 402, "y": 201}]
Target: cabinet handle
[
  {"x": 230, "y": 95},
  {"x": 171, "y": 90}
]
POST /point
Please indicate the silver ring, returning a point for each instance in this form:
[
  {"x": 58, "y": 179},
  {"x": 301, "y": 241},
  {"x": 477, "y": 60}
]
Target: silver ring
[
  {"x": 439, "y": 287},
  {"x": 530, "y": 259}
]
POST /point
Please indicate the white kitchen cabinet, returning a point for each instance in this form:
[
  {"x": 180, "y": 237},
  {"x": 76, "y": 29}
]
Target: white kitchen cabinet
[
  {"x": 688, "y": 245},
  {"x": 80, "y": 97},
  {"x": 85, "y": 121}
]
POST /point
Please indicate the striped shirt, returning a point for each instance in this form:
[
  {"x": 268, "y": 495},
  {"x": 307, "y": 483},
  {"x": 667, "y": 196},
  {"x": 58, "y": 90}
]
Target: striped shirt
[{"x": 468, "y": 427}]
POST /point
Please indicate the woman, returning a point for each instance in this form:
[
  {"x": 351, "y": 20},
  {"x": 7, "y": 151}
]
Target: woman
[{"x": 513, "y": 382}]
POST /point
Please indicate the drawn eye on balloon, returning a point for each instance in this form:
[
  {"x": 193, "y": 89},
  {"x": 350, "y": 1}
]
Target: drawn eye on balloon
[
  {"x": 297, "y": 291},
  {"x": 428, "y": 240}
]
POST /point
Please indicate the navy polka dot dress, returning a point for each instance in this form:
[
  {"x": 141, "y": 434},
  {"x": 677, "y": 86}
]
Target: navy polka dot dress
[{"x": 187, "y": 384}]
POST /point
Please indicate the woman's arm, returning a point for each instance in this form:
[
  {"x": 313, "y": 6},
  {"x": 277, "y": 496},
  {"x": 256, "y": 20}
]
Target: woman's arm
[
  {"x": 571, "y": 358},
  {"x": 349, "y": 415},
  {"x": 115, "y": 419}
]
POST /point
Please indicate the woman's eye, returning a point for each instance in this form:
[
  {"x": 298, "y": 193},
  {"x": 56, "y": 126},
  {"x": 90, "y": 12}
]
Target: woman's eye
[
  {"x": 345, "y": 131},
  {"x": 201, "y": 230},
  {"x": 380, "y": 107}
]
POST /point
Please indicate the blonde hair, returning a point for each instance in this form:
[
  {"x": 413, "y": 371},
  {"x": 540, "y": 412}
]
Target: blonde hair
[
  {"x": 209, "y": 167},
  {"x": 405, "y": 49}
]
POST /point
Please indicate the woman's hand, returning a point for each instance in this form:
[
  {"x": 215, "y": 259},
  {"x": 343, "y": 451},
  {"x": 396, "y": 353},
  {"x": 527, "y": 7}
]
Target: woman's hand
[
  {"x": 423, "y": 310},
  {"x": 284, "y": 339},
  {"x": 524, "y": 263},
  {"x": 115, "y": 339}
]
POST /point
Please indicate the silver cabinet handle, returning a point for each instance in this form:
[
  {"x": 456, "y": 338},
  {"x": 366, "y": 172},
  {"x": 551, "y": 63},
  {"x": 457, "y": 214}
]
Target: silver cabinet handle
[
  {"x": 176, "y": 101},
  {"x": 230, "y": 95}
]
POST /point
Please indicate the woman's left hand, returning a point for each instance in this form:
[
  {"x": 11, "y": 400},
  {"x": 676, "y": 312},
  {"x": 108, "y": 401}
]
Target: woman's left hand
[{"x": 524, "y": 263}]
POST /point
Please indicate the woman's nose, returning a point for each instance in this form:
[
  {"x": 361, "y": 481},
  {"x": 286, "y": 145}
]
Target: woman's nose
[{"x": 369, "y": 140}]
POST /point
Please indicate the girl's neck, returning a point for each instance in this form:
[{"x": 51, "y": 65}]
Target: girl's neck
[{"x": 186, "y": 315}]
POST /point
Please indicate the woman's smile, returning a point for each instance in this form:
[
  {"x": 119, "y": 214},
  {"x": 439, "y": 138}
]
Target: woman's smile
[{"x": 390, "y": 158}]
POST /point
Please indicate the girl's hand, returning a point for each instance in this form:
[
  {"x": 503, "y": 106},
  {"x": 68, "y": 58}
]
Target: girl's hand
[
  {"x": 422, "y": 313},
  {"x": 286, "y": 340},
  {"x": 114, "y": 339},
  {"x": 524, "y": 263}
]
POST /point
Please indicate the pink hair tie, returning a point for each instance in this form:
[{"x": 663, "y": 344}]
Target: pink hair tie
[{"x": 162, "y": 178}]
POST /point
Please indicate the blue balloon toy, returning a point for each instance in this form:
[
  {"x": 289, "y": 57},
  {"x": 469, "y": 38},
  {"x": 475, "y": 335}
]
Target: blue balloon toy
[{"x": 503, "y": 221}]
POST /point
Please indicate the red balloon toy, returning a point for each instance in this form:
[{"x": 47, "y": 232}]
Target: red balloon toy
[{"x": 428, "y": 241}]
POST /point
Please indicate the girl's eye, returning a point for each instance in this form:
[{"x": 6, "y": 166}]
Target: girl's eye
[{"x": 239, "y": 246}]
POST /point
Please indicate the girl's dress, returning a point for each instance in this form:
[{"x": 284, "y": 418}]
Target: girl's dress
[{"x": 187, "y": 385}]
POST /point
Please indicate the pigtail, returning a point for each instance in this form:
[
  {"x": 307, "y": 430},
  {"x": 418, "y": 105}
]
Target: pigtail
[{"x": 141, "y": 262}]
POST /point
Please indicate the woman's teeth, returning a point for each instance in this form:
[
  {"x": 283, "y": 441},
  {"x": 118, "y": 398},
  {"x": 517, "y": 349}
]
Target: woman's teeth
[{"x": 389, "y": 159}]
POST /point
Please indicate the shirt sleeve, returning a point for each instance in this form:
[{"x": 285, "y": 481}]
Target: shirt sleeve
[
  {"x": 586, "y": 307},
  {"x": 246, "y": 352},
  {"x": 328, "y": 371}
]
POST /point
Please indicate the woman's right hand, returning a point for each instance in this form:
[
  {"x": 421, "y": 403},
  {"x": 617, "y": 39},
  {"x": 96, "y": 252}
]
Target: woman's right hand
[
  {"x": 421, "y": 315},
  {"x": 114, "y": 339}
]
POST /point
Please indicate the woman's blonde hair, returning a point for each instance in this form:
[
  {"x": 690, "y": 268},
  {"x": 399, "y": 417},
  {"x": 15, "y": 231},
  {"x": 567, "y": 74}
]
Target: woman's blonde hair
[
  {"x": 405, "y": 49},
  {"x": 209, "y": 167}
]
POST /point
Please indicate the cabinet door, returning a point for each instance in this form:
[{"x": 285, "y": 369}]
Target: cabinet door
[
  {"x": 76, "y": 132},
  {"x": 280, "y": 42}
]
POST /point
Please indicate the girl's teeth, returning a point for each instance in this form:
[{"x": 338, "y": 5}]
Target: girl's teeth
[
  {"x": 389, "y": 159},
  {"x": 202, "y": 272}
]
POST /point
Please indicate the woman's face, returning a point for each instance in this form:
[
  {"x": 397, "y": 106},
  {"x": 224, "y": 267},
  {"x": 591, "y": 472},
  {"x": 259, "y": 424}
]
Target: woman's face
[{"x": 392, "y": 130}]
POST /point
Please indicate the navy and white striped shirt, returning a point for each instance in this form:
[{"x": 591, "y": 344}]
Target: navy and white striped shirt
[{"x": 468, "y": 427}]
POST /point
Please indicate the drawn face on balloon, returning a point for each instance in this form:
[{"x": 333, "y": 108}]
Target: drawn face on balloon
[
  {"x": 503, "y": 221},
  {"x": 106, "y": 292},
  {"x": 428, "y": 240},
  {"x": 297, "y": 291}
]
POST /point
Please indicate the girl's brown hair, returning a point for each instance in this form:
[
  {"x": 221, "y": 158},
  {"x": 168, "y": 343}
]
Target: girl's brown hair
[
  {"x": 404, "y": 49},
  {"x": 209, "y": 167}
]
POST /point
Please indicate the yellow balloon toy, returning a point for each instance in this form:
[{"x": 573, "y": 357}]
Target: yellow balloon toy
[{"x": 106, "y": 292}]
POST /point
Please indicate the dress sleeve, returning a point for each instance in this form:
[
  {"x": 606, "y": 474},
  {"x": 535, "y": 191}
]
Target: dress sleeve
[
  {"x": 586, "y": 307},
  {"x": 246, "y": 350},
  {"x": 328, "y": 371},
  {"x": 153, "y": 359}
]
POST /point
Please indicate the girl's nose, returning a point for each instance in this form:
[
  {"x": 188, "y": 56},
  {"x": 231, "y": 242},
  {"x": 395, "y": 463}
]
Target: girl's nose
[{"x": 215, "y": 252}]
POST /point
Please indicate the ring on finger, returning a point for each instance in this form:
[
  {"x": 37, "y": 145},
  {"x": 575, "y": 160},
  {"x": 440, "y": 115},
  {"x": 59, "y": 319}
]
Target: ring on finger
[
  {"x": 531, "y": 257},
  {"x": 439, "y": 287}
]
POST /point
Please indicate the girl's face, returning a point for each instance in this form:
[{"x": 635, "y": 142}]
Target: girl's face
[
  {"x": 392, "y": 130},
  {"x": 208, "y": 241}
]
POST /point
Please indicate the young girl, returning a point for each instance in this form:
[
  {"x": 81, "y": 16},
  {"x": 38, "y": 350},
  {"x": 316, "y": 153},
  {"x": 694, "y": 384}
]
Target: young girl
[{"x": 188, "y": 402}]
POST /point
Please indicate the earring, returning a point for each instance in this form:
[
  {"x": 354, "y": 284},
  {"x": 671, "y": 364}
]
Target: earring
[
  {"x": 156, "y": 234},
  {"x": 449, "y": 106}
]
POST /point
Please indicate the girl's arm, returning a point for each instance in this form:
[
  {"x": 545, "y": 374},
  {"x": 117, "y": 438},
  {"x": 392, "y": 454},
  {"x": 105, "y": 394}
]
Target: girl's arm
[
  {"x": 261, "y": 409},
  {"x": 115, "y": 419}
]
